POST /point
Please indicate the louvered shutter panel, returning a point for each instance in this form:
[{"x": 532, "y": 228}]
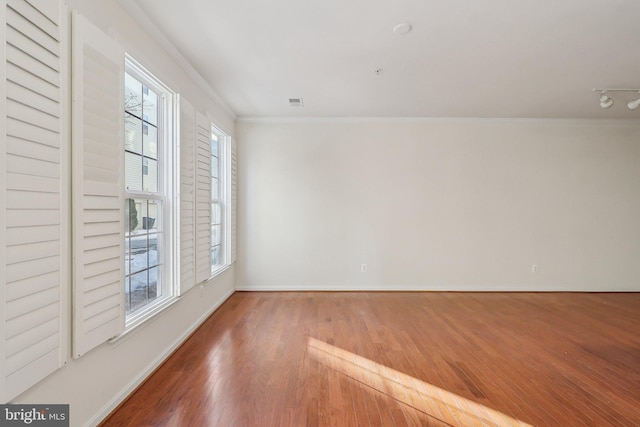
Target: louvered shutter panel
[
  {"x": 187, "y": 195},
  {"x": 234, "y": 201},
  {"x": 4, "y": 395},
  {"x": 203, "y": 198},
  {"x": 34, "y": 276},
  {"x": 98, "y": 190}
]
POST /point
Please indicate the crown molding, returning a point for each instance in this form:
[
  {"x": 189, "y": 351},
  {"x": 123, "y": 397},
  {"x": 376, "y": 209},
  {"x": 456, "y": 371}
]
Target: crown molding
[{"x": 354, "y": 119}]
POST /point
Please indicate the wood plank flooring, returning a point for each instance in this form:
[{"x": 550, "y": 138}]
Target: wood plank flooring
[{"x": 402, "y": 359}]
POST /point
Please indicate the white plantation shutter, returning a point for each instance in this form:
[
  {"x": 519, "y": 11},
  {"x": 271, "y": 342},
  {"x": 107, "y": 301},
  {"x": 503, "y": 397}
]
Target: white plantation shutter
[
  {"x": 187, "y": 195},
  {"x": 33, "y": 226},
  {"x": 98, "y": 187},
  {"x": 4, "y": 395},
  {"x": 203, "y": 198},
  {"x": 234, "y": 200}
]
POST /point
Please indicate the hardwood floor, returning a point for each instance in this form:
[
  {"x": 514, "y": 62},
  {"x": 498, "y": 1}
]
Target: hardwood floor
[{"x": 402, "y": 359}]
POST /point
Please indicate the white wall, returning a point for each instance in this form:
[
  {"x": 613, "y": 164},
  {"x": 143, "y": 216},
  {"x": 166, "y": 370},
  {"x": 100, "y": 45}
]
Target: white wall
[
  {"x": 439, "y": 205},
  {"x": 96, "y": 382}
]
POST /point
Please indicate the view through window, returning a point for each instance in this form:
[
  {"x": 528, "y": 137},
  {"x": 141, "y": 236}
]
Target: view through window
[{"x": 144, "y": 195}]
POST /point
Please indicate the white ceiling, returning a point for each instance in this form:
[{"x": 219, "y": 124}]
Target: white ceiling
[{"x": 464, "y": 58}]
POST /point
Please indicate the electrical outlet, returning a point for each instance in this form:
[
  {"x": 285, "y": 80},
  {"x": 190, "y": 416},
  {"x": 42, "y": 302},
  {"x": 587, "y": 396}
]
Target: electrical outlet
[
  {"x": 363, "y": 268},
  {"x": 534, "y": 268}
]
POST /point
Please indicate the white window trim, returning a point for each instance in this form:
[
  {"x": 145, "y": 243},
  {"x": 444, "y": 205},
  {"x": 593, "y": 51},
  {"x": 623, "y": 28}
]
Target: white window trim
[
  {"x": 224, "y": 199},
  {"x": 169, "y": 183}
]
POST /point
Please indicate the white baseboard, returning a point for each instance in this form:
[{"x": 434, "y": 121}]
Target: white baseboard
[
  {"x": 295, "y": 288},
  {"x": 423, "y": 288},
  {"x": 140, "y": 378}
]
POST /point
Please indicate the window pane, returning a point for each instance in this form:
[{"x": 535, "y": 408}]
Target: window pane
[
  {"x": 138, "y": 290},
  {"x": 215, "y": 188},
  {"x": 133, "y": 171},
  {"x": 129, "y": 209},
  {"x": 215, "y": 214},
  {"x": 153, "y": 215},
  {"x": 150, "y": 140},
  {"x": 143, "y": 252},
  {"x": 215, "y": 166},
  {"x": 154, "y": 290},
  {"x": 133, "y": 212},
  {"x": 139, "y": 252},
  {"x": 127, "y": 256},
  {"x": 214, "y": 146},
  {"x": 150, "y": 175},
  {"x": 150, "y": 106},
  {"x": 127, "y": 293},
  {"x": 141, "y": 212},
  {"x": 215, "y": 235},
  {"x": 153, "y": 249},
  {"x": 215, "y": 255},
  {"x": 132, "y": 134},
  {"x": 132, "y": 95}
]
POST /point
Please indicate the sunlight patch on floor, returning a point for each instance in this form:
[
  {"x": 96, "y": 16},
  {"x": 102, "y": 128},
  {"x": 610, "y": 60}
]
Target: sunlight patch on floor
[{"x": 424, "y": 397}]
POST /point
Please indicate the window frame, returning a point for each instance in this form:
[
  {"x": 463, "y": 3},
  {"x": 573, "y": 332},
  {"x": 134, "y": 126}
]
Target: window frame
[
  {"x": 168, "y": 185},
  {"x": 223, "y": 200}
]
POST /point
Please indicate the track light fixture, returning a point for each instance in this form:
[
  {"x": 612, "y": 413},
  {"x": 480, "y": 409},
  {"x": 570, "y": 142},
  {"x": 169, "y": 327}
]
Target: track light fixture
[
  {"x": 632, "y": 105},
  {"x": 606, "y": 101}
]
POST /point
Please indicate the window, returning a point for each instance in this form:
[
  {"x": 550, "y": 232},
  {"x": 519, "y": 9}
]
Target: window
[
  {"x": 206, "y": 177},
  {"x": 219, "y": 199},
  {"x": 149, "y": 153}
]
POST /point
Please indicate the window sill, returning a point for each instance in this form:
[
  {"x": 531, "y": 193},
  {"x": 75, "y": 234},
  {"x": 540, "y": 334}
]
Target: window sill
[
  {"x": 217, "y": 271},
  {"x": 142, "y": 317}
]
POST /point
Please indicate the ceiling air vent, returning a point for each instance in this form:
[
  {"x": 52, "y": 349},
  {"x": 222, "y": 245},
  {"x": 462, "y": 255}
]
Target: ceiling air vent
[{"x": 295, "y": 102}]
